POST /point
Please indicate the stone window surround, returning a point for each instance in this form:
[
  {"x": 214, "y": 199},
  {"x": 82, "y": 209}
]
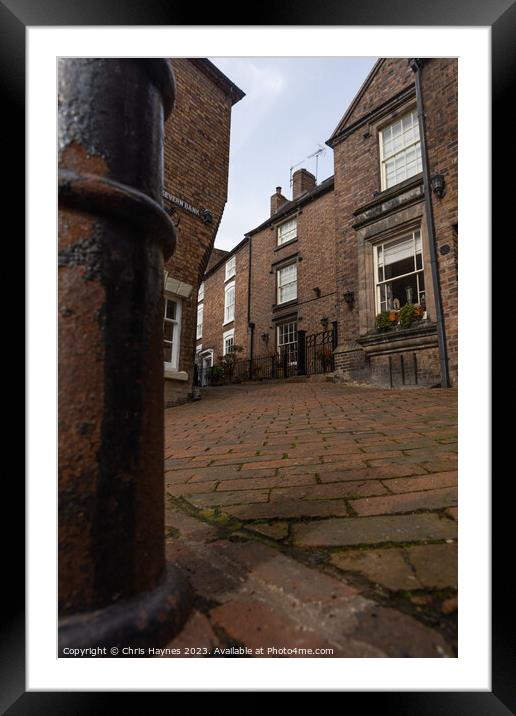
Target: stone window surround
[
  {"x": 392, "y": 227},
  {"x": 411, "y": 236}
]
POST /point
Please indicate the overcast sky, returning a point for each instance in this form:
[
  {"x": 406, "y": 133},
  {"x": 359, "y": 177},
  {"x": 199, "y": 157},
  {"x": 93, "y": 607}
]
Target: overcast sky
[{"x": 291, "y": 107}]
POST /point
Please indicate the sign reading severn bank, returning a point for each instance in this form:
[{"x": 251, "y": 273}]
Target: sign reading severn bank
[{"x": 203, "y": 214}]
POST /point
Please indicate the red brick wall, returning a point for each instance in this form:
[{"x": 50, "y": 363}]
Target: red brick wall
[
  {"x": 393, "y": 76},
  {"x": 439, "y": 87},
  {"x": 357, "y": 179},
  {"x": 213, "y": 318},
  {"x": 315, "y": 247},
  {"x": 196, "y": 158}
]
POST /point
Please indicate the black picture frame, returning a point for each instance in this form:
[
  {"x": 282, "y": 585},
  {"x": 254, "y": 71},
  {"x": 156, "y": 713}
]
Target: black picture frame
[{"x": 500, "y": 15}]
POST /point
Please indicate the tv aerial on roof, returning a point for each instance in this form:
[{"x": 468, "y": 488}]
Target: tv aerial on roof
[{"x": 315, "y": 154}]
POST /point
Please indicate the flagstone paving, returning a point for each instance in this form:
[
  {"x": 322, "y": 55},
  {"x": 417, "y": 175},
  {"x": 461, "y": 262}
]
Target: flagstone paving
[{"x": 316, "y": 515}]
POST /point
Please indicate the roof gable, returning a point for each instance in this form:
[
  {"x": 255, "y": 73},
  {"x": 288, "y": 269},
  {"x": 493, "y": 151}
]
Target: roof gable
[{"x": 387, "y": 77}]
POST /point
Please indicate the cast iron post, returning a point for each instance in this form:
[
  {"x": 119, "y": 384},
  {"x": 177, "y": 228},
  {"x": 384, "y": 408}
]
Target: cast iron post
[{"x": 114, "y": 586}]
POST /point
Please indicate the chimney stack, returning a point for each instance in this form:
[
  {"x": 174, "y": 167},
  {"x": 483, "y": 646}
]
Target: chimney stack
[
  {"x": 277, "y": 200},
  {"x": 302, "y": 181}
]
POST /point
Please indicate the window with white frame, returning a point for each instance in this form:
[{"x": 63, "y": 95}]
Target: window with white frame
[
  {"x": 287, "y": 231},
  {"x": 287, "y": 341},
  {"x": 171, "y": 331},
  {"x": 200, "y": 313},
  {"x": 399, "y": 273},
  {"x": 400, "y": 150},
  {"x": 229, "y": 302},
  {"x": 286, "y": 278},
  {"x": 230, "y": 268},
  {"x": 228, "y": 342},
  {"x": 200, "y": 295}
]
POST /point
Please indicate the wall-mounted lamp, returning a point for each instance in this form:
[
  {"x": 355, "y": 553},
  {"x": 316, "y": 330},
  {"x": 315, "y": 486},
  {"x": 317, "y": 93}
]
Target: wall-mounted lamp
[
  {"x": 349, "y": 297},
  {"x": 206, "y": 216},
  {"x": 317, "y": 292},
  {"x": 437, "y": 184},
  {"x": 324, "y": 322},
  {"x": 265, "y": 337}
]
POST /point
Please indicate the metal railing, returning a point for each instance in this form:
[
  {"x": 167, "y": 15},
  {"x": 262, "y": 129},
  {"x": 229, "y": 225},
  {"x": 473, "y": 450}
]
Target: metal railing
[{"x": 307, "y": 356}]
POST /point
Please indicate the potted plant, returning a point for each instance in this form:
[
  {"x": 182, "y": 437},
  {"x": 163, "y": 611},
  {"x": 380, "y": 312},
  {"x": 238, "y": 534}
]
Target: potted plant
[
  {"x": 407, "y": 315},
  {"x": 383, "y": 321},
  {"x": 325, "y": 355},
  {"x": 227, "y": 363}
]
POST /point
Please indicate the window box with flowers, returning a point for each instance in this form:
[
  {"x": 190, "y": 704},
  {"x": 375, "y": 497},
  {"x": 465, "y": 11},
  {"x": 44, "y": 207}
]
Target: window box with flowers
[{"x": 405, "y": 317}]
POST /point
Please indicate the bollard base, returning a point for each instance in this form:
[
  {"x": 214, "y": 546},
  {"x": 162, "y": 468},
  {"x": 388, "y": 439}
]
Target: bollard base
[{"x": 151, "y": 619}]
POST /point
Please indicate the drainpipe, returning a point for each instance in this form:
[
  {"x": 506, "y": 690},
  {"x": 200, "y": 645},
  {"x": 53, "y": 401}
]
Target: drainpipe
[
  {"x": 416, "y": 65},
  {"x": 115, "y": 588},
  {"x": 249, "y": 322}
]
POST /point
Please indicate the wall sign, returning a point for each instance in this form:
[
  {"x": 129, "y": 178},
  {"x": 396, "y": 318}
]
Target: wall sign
[{"x": 203, "y": 214}]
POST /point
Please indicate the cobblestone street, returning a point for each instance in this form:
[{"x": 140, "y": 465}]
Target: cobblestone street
[{"x": 316, "y": 515}]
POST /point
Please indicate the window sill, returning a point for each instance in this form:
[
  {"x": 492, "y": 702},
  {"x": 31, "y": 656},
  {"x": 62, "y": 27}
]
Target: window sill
[
  {"x": 226, "y": 323},
  {"x": 229, "y": 278},
  {"x": 421, "y": 335},
  {"x": 287, "y": 243},
  {"x": 171, "y": 374},
  {"x": 285, "y": 304}
]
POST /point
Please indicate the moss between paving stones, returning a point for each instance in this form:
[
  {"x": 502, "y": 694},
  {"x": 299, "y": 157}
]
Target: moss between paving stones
[{"x": 318, "y": 557}]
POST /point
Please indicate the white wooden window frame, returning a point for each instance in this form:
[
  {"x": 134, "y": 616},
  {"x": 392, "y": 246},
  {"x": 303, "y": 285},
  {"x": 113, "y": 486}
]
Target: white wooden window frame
[
  {"x": 227, "y": 335},
  {"x": 230, "y": 268},
  {"x": 173, "y": 364},
  {"x": 200, "y": 314},
  {"x": 292, "y": 351},
  {"x": 227, "y": 290},
  {"x": 285, "y": 235},
  {"x": 200, "y": 295},
  {"x": 382, "y": 244},
  {"x": 402, "y": 151},
  {"x": 280, "y": 286}
]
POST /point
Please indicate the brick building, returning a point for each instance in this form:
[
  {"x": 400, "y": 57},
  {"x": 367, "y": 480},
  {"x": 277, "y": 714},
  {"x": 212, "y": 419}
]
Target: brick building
[
  {"x": 373, "y": 248},
  {"x": 384, "y": 225},
  {"x": 196, "y": 159},
  {"x": 280, "y": 279}
]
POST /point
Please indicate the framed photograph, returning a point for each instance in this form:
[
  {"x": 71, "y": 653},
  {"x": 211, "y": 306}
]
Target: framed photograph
[{"x": 471, "y": 49}]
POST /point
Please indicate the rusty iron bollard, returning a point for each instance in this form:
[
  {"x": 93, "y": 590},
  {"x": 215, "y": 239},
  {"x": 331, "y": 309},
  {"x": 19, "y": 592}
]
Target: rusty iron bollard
[{"x": 115, "y": 588}]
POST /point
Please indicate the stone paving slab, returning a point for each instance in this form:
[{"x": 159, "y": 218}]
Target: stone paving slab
[
  {"x": 374, "y": 530},
  {"x": 432, "y": 566},
  {"x": 387, "y": 567},
  {"x": 406, "y": 502},
  {"x": 297, "y": 509}
]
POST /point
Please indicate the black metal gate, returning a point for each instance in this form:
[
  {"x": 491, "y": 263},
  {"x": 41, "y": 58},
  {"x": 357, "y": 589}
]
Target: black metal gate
[{"x": 319, "y": 351}]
